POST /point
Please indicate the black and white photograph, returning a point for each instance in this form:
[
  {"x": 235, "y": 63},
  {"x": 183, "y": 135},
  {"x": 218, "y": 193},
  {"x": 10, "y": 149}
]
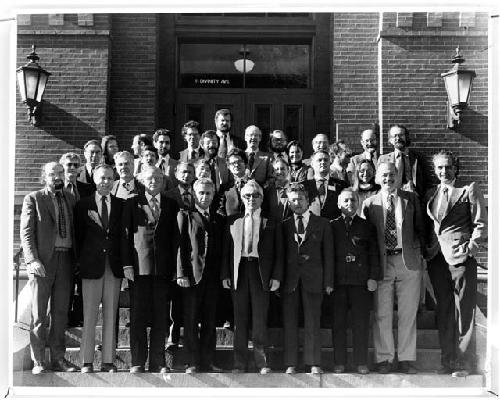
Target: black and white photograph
[{"x": 297, "y": 198}]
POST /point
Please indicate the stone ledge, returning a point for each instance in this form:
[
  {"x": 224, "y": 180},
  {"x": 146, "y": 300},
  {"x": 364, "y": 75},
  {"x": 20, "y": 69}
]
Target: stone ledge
[{"x": 96, "y": 32}]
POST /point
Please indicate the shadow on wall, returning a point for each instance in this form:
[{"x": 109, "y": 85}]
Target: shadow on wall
[
  {"x": 474, "y": 126},
  {"x": 67, "y": 127}
]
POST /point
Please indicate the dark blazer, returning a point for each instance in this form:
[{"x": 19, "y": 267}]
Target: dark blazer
[
  {"x": 312, "y": 260},
  {"x": 272, "y": 207},
  {"x": 270, "y": 249},
  {"x": 93, "y": 243},
  {"x": 200, "y": 244},
  {"x": 413, "y": 229},
  {"x": 185, "y": 157},
  {"x": 138, "y": 188},
  {"x": 224, "y": 178},
  {"x": 416, "y": 165},
  {"x": 361, "y": 242},
  {"x": 262, "y": 169},
  {"x": 85, "y": 177},
  {"x": 231, "y": 203},
  {"x": 84, "y": 189},
  {"x": 329, "y": 208},
  {"x": 150, "y": 248},
  {"x": 464, "y": 223},
  {"x": 38, "y": 227},
  {"x": 175, "y": 194}
]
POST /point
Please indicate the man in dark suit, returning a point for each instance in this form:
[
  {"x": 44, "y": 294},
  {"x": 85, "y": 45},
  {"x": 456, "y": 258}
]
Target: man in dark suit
[
  {"x": 459, "y": 229},
  {"x": 223, "y": 121},
  {"x": 47, "y": 239},
  {"x": 183, "y": 192},
  {"x": 127, "y": 186},
  {"x": 275, "y": 205},
  {"x": 219, "y": 172},
  {"x": 161, "y": 140},
  {"x": 231, "y": 202},
  {"x": 308, "y": 272},
  {"x": 357, "y": 269},
  {"x": 149, "y": 261},
  {"x": 277, "y": 145},
  {"x": 409, "y": 175},
  {"x": 323, "y": 190},
  {"x": 319, "y": 142},
  {"x": 397, "y": 216},
  {"x": 252, "y": 266},
  {"x": 369, "y": 142},
  {"x": 93, "y": 155},
  {"x": 198, "y": 275},
  {"x": 191, "y": 135},
  {"x": 98, "y": 231},
  {"x": 259, "y": 163}
]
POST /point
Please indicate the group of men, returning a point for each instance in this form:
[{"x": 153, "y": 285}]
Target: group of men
[{"x": 229, "y": 216}]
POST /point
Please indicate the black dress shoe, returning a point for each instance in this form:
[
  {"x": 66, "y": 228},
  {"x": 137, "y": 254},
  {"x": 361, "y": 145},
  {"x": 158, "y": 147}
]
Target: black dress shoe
[
  {"x": 444, "y": 370},
  {"x": 109, "y": 367},
  {"x": 62, "y": 365},
  {"x": 212, "y": 369},
  {"x": 384, "y": 367},
  {"x": 406, "y": 367}
]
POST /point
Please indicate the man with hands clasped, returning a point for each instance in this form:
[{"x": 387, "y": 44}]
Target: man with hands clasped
[
  {"x": 252, "y": 266},
  {"x": 357, "y": 269}
]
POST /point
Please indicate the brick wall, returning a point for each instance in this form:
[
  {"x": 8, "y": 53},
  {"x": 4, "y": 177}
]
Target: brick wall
[{"x": 134, "y": 72}]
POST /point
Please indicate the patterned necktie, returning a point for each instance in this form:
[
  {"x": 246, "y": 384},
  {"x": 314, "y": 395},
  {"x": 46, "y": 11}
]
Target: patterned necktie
[
  {"x": 249, "y": 233},
  {"x": 61, "y": 224},
  {"x": 104, "y": 213},
  {"x": 443, "y": 207},
  {"x": 126, "y": 185},
  {"x": 213, "y": 175},
  {"x": 186, "y": 199},
  {"x": 390, "y": 234},
  {"x": 154, "y": 208},
  {"x": 222, "y": 146},
  {"x": 251, "y": 160},
  {"x": 321, "y": 188}
]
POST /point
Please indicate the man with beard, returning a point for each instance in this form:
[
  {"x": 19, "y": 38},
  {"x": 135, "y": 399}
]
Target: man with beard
[
  {"x": 191, "y": 135},
  {"x": 319, "y": 142},
  {"x": 223, "y": 122},
  {"x": 231, "y": 202},
  {"x": 259, "y": 163},
  {"x": 127, "y": 186},
  {"x": 369, "y": 142},
  {"x": 93, "y": 155},
  {"x": 71, "y": 162},
  {"x": 409, "y": 175},
  {"x": 162, "y": 139},
  {"x": 47, "y": 239},
  {"x": 219, "y": 174},
  {"x": 149, "y": 261},
  {"x": 98, "y": 231},
  {"x": 277, "y": 145}
]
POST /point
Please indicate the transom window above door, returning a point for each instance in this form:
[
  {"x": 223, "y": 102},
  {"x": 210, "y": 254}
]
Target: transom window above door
[{"x": 244, "y": 65}]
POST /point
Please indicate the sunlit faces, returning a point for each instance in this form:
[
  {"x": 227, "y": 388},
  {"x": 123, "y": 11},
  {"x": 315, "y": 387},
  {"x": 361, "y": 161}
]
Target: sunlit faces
[
  {"x": 252, "y": 198},
  {"x": 369, "y": 140},
  {"x": 397, "y": 137},
  {"x": 93, "y": 154},
  {"x": 103, "y": 179},
  {"x": 223, "y": 122},
  {"x": 320, "y": 142},
  {"x": 348, "y": 202},
  {"x": 210, "y": 146},
  {"x": 366, "y": 172},
  {"x": 124, "y": 167},
  {"x": 152, "y": 179},
  {"x": 444, "y": 169},
  {"x": 184, "y": 173},
  {"x": 298, "y": 202},
  {"x": 204, "y": 194},
  {"x": 236, "y": 165},
  {"x": 192, "y": 138},
  {"x": 386, "y": 176},
  {"x": 53, "y": 176},
  {"x": 295, "y": 154},
  {"x": 162, "y": 144},
  {"x": 202, "y": 170},
  {"x": 71, "y": 169},
  {"x": 320, "y": 163},
  {"x": 344, "y": 157},
  {"x": 111, "y": 148},
  {"x": 278, "y": 141},
  {"x": 253, "y": 136},
  {"x": 280, "y": 171},
  {"x": 149, "y": 157}
]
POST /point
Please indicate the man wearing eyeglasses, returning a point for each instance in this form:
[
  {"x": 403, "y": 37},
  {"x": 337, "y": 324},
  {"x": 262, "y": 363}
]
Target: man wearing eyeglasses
[
  {"x": 231, "y": 202},
  {"x": 252, "y": 267}
]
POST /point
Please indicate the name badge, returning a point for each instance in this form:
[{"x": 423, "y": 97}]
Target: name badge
[{"x": 350, "y": 258}]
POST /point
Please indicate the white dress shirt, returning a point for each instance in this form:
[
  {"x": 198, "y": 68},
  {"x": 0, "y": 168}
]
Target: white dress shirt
[
  {"x": 398, "y": 214},
  {"x": 254, "y": 219}
]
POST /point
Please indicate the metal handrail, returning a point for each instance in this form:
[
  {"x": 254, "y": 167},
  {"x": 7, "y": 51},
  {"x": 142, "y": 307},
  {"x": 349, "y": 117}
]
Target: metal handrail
[{"x": 15, "y": 260}]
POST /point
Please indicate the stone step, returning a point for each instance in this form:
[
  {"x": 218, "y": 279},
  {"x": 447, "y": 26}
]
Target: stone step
[
  {"x": 426, "y": 338},
  {"x": 428, "y": 360},
  {"x": 426, "y": 319},
  {"x": 88, "y": 384}
]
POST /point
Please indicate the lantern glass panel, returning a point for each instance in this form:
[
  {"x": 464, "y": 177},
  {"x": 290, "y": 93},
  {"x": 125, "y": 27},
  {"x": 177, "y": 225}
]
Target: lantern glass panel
[
  {"x": 464, "y": 85},
  {"x": 31, "y": 76},
  {"x": 22, "y": 86},
  {"x": 451, "y": 82},
  {"x": 41, "y": 87}
]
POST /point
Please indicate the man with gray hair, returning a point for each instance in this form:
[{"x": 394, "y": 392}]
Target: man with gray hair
[
  {"x": 71, "y": 163},
  {"x": 252, "y": 267},
  {"x": 47, "y": 239},
  {"x": 127, "y": 186},
  {"x": 259, "y": 163},
  {"x": 93, "y": 156}
]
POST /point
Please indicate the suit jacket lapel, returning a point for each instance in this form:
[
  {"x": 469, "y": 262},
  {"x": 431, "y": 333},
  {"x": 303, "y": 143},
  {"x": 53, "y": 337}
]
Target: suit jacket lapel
[
  {"x": 456, "y": 195},
  {"x": 236, "y": 230},
  {"x": 404, "y": 203},
  {"x": 49, "y": 205},
  {"x": 257, "y": 161},
  {"x": 311, "y": 227},
  {"x": 430, "y": 204}
]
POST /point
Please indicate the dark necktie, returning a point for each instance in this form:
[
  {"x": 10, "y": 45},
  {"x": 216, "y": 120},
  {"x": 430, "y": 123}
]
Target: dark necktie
[
  {"x": 61, "y": 224},
  {"x": 222, "y": 146},
  {"x": 104, "y": 214},
  {"x": 186, "y": 199},
  {"x": 321, "y": 188},
  {"x": 348, "y": 221},
  {"x": 251, "y": 160},
  {"x": 154, "y": 208},
  {"x": 193, "y": 155},
  {"x": 161, "y": 165},
  {"x": 443, "y": 207},
  {"x": 213, "y": 176},
  {"x": 300, "y": 225},
  {"x": 390, "y": 234}
]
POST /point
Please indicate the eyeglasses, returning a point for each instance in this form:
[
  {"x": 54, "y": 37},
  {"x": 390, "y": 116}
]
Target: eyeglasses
[
  {"x": 72, "y": 165},
  {"x": 235, "y": 162},
  {"x": 255, "y": 196}
]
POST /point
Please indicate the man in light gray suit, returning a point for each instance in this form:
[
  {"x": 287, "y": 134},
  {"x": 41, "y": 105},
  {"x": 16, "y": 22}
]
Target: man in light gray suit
[{"x": 400, "y": 233}]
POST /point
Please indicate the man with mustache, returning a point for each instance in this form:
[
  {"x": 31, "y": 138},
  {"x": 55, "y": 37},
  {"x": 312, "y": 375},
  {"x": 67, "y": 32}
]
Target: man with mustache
[
  {"x": 369, "y": 142},
  {"x": 47, "y": 239},
  {"x": 397, "y": 216},
  {"x": 219, "y": 174},
  {"x": 162, "y": 139},
  {"x": 223, "y": 122},
  {"x": 231, "y": 202},
  {"x": 277, "y": 145},
  {"x": 408, "y": 164}
]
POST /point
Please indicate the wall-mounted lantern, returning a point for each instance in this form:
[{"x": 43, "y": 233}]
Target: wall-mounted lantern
[
  {"x": 458, "y": 82},
  {"x": 32, "y": 80}
]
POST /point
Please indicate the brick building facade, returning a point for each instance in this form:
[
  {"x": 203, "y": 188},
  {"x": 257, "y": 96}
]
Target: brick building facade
[{"x": 120, "y": 74}]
